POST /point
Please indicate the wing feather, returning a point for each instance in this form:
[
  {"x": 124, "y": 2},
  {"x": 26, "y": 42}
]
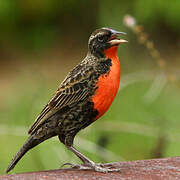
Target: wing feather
[{"x": 64, "y": 96}]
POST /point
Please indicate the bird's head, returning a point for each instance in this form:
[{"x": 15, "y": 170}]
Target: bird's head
[{"x": 103, "y": 39}]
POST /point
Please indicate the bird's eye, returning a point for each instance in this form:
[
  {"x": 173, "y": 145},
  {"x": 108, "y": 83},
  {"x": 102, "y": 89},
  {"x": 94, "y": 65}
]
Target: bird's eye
[{"x": 100, "y": 39}]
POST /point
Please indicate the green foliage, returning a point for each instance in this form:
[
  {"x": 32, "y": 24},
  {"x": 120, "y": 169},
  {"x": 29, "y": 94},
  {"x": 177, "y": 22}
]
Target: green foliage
[
  {"x": 154, "y": 12},
  {"x": 36, "y": 24}
]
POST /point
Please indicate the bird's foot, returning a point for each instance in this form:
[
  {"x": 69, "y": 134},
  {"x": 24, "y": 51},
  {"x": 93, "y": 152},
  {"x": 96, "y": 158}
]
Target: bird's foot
[
  {"x": 96, "y": 167},
  {"x": 104, "y": 168}
]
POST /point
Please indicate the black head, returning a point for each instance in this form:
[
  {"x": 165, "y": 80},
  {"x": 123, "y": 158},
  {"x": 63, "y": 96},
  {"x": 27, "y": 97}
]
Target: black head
[{"x": 102, "y": 39}]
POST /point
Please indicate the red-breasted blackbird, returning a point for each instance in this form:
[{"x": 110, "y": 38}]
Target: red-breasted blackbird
[{"x": 84, "y": 96}]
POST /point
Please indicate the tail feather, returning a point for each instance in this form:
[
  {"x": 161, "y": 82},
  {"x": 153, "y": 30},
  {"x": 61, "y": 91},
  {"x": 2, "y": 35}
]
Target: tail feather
[{"x": 30, "y": 143}]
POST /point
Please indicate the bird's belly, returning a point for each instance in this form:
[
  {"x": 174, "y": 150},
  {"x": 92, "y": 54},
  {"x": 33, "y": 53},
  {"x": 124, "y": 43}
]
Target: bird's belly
[{"x": 108, "y": 86}]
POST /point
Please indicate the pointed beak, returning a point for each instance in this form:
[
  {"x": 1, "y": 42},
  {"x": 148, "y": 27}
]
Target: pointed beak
[
  {"x": 114, "y": 40},
  {"x": 117, "y": 32}
]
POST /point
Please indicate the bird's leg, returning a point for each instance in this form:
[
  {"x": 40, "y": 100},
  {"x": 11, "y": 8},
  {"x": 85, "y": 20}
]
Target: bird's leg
[
  {"x": 83, "y": 158},
  {"x": 87, "y": 163}
]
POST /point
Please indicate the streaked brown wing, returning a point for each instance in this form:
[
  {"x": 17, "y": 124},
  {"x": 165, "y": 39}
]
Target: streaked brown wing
[
  {"x": 67, "y": 94},
  {"x": 60, "y": 100}
]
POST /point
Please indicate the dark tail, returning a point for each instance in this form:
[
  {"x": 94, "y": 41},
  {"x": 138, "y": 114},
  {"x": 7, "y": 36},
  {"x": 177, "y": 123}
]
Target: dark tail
[{"x": 30, "y": 143}]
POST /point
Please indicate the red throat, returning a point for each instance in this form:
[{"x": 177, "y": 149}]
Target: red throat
[
  {"x": 111, "y": 52},
  {"x": 108, "y": 84}
]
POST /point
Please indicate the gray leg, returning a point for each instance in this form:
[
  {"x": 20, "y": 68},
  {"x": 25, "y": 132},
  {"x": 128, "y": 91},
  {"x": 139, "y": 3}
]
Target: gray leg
[
  {"x": 83, "y": 158},
  {"x": 88, "y": 164}
]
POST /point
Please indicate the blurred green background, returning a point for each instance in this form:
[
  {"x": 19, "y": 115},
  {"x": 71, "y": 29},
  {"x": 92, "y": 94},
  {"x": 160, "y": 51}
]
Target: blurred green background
[{"x": 41, "y": 40}]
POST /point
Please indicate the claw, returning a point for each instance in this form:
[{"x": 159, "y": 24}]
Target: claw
[
  {"x": 65, "y": 164},
  {"x": 109, "y": 169},
  {"x": 96, "y": 167},
  {"x": 101, "y": 168},
  {"x": 77, "y": 166}
]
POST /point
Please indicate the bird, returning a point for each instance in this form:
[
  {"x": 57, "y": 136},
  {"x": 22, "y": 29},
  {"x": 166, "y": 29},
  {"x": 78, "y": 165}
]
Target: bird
[{"x": 83, "y": 97}]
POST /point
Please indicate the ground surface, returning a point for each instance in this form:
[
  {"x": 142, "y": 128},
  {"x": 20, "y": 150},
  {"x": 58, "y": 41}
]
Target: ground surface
[{"x": 156, "y": 169}]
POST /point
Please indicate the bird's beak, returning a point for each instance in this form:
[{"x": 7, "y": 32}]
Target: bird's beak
[{"x": 114, "y": 40}]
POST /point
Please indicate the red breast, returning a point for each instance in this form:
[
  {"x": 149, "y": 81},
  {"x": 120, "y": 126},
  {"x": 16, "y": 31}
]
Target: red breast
[{"x": 108, "y": 84}]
